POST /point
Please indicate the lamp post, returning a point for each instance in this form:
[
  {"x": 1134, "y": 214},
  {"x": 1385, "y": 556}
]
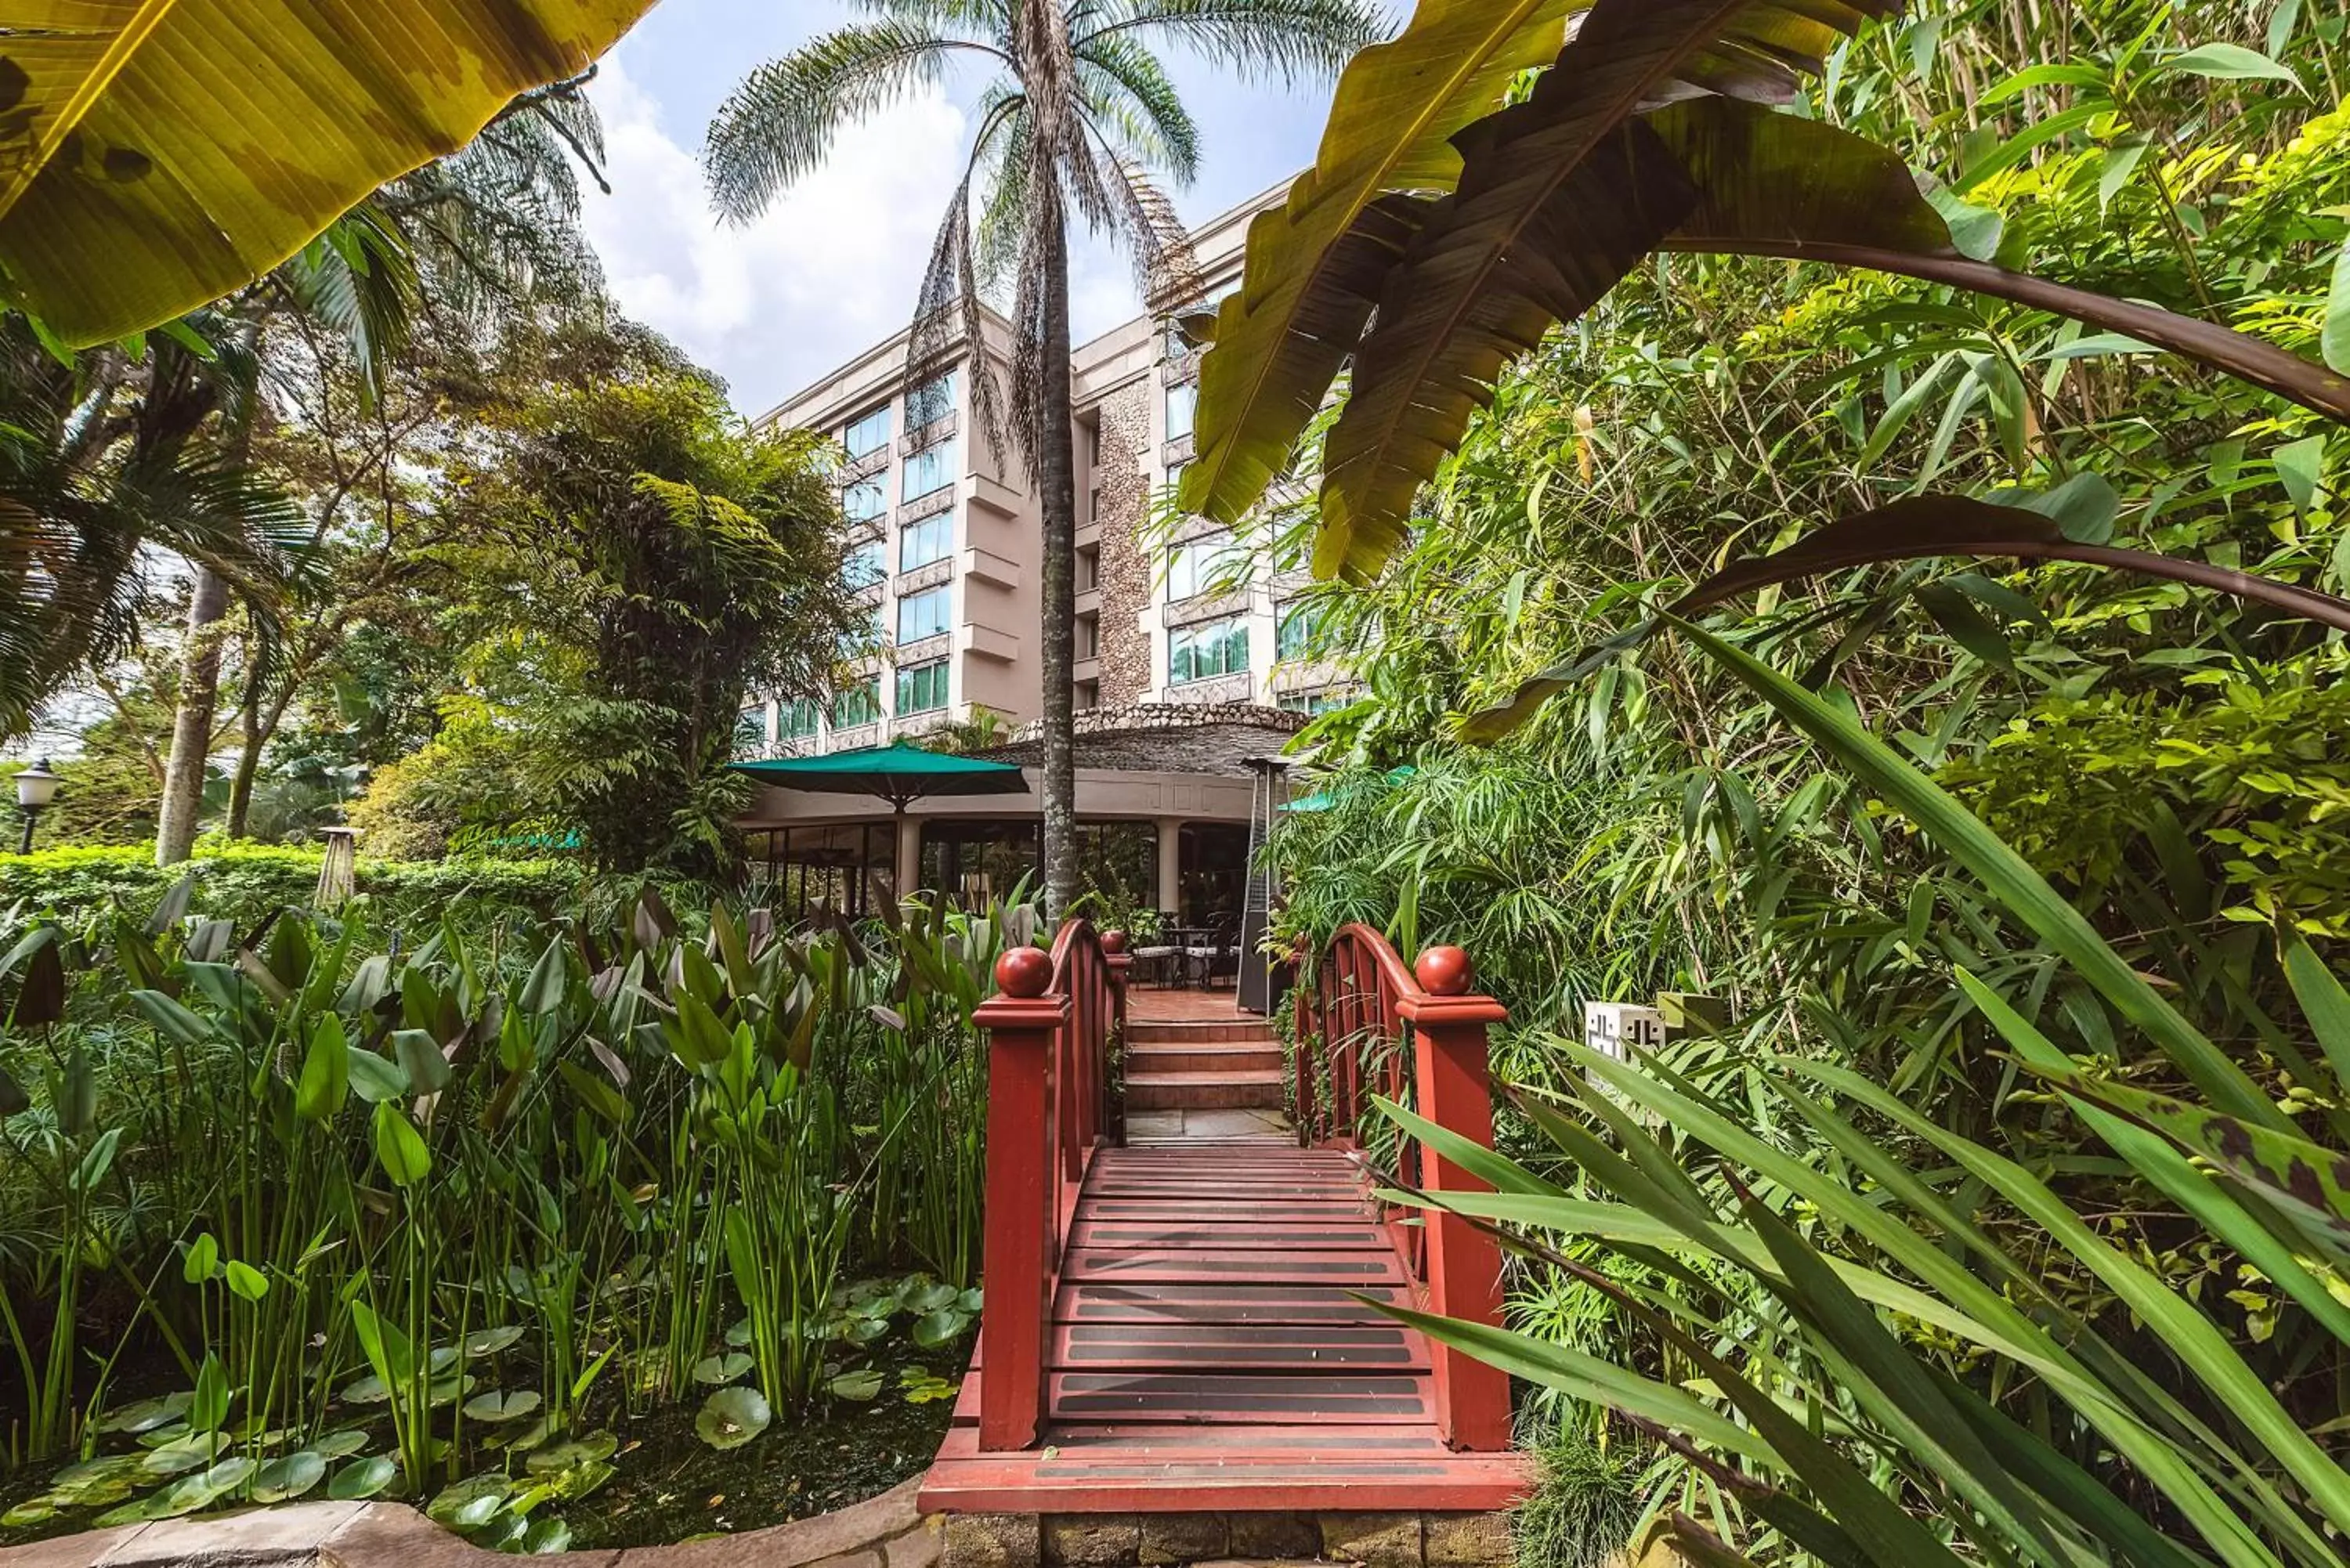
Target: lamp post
[{"x": 37, "y": 789}]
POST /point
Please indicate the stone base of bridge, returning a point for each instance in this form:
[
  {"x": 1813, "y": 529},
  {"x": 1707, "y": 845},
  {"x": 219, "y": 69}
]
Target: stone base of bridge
[{"x": 1381, "y": 1539}]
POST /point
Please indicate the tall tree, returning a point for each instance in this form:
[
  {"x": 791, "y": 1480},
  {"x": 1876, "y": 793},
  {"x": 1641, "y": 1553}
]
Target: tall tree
[{"x": 1077, "y": 114}]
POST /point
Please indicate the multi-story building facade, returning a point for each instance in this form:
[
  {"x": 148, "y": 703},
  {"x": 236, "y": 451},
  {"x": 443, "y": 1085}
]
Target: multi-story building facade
[{"x": 945, "y": 537}]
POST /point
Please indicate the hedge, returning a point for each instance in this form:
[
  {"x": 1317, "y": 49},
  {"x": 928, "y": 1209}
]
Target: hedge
[{"x": 245, "y": 882}]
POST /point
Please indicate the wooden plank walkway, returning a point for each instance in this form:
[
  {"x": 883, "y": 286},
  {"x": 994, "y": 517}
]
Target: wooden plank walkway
[{"x": 1211, "y": 1349}]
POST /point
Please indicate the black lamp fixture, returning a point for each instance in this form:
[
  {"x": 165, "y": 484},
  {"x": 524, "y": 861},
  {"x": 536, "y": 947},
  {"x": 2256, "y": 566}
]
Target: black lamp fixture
[{"x": 36, "y": 791}]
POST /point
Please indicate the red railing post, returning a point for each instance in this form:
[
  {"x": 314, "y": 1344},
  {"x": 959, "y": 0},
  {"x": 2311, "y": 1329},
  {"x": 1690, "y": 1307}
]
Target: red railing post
[
  {"x": 1023, "y": 1025},
  {"x": 1463, "y": 1266},
  {"x": 1305, "y": 1014}
]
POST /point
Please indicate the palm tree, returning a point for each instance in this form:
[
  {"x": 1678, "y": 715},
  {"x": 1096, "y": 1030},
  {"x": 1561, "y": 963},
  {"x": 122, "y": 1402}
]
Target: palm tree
[{"x": 1079, "y": 113}]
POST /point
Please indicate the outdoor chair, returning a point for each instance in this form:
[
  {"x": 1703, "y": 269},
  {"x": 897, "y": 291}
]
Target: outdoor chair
[
  {"x": 1216, "y": 954},
  {"x": 1158, "y": 962}
]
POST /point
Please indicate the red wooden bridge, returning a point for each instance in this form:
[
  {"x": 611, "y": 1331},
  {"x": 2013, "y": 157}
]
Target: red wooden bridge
[{"x": 1187, "y": 1323}]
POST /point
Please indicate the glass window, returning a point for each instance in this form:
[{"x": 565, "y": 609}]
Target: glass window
[
  {"x": 1294, "y": 640},
  {"x": 862, "y": 500},
  {"x": 865, "y": 565},
  {"x": 925, "y": 541},
  {"x": 868, "y": 432},
  {"x": 924, "y": 614},
  {"x": 923, "y": 689},
  {"x": 930, "y": 403},
  {"x": 1312, "y": 703},
  {"x": 751, "y": 727},
  {"x": 1211, "y": 648},
  {"x": 932, "y": 468},
  {"x": 798, "y": 719},
  {"x": 860, "y": 704},
  {"x": 1180, "y": 399},
  {"x": 1192, "y": 566}
]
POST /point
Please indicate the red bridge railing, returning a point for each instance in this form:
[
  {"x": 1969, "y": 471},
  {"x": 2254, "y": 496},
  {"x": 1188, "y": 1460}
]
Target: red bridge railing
[
  {"x": 1368, "y": 1026},
  {"x": 1048, "y": 1109}
]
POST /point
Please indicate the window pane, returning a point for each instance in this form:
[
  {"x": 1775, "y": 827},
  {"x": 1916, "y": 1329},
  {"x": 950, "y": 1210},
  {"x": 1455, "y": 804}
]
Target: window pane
[
  {"x": 922, "y": 614},
  {"x": 1296, "y": 633},
  {"x": 751, "y": 727},
  {"x": 863, "y": 566},
  {"x": 799, "y": 720},
  {"x": 930, "y": 403},
  {"x": 1181, "y": 396},
  {"x": 860, "y": 704},
  {"x": 867, "y": 433},
  {"x": 925, "y": 541},
  {"x": 923, "y": 689},
  {"x": 861, "y": 499},
  {"x": 932, "y": 468}
]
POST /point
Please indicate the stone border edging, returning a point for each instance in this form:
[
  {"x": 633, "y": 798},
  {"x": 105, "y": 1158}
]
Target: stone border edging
[{"x": 883, "y": 1531}]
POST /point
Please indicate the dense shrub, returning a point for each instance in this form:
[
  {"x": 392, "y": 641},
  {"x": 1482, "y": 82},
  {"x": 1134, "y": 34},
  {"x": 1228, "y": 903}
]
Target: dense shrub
[{"x": 245, "y": 883}]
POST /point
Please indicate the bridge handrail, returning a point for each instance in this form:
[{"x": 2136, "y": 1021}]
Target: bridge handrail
[
  {"x": 1048, "y": 1027},
  {"x": 1427, "y": 1024}
]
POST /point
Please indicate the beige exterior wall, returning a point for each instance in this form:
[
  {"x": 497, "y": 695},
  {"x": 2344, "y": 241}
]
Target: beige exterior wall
[{"x": 1125, "y": 383}]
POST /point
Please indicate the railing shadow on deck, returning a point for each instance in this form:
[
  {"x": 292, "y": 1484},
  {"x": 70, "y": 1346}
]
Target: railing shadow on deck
[
  {"x": 1049, "y": 1028},
  {"x": 1368, "y": 1024}
]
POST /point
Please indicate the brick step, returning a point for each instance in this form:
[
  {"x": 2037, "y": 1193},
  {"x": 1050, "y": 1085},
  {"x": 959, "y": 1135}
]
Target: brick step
[
  {"x": 1218, "y": 1056},
  {"x": 1224, "y": 1089},
  {"x": 1189, "y": 1030}
]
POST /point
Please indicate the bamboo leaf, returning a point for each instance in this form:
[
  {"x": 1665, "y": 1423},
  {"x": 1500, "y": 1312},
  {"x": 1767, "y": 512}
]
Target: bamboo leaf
[{"x": 2324, "y": 1002}]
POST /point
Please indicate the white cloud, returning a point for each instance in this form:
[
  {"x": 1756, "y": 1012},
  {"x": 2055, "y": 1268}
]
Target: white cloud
[{"x": 830, "y": 269}]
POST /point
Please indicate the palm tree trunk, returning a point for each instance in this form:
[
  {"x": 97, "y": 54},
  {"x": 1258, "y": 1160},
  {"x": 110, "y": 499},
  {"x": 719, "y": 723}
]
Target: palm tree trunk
[
  {"x": 248, "y": 760},
  {"x": 191, "y": 725},
  {"x": 1057, "y": 491}
]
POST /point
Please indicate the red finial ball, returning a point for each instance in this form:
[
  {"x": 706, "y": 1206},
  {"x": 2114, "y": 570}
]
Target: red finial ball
[
  {"x": 1112, "y": 941},
  {"x": 1023, "y": 971},
  {"x": 1445, "y": 972}
]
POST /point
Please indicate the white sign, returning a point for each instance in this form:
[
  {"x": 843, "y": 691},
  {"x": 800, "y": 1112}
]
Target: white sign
[{"x": 1614, "y": 1028}]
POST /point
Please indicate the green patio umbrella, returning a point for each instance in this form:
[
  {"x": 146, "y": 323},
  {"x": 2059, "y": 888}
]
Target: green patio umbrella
[
  {"x": 1323, "y": 800},
  {"x": 899, "y": 773}
]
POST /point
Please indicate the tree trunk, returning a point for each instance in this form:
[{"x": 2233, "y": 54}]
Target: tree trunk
[
  {"x": 1057, "y": 492},
  {"x": 248, "y": 760},
  {"x": 192, "y": 726}
]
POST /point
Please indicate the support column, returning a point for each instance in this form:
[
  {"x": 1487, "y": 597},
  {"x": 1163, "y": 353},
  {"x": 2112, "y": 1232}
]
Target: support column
[
  {"x": 907, "y": 861},
  {"x": 1170, "y": 865},
  {"x": 1020, "y": 1237}
]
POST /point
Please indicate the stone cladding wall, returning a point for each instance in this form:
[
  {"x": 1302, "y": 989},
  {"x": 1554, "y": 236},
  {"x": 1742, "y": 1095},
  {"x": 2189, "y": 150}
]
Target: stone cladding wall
[{"x": 1126, "y": 575}]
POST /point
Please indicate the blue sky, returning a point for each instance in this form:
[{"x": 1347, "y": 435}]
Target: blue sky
[{"x": 833, "y": 267}]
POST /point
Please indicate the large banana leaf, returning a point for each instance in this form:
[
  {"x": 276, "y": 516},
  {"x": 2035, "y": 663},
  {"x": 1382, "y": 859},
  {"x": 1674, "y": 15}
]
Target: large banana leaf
[
  {"x": 158, "y": 154},
  {"x": 1314, "y": 262},
  {"x": 1524, "y": 240}
]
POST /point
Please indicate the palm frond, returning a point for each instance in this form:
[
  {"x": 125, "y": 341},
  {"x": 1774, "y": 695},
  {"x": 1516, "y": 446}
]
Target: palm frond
[
  {"x": 1258, "y": 40},
  {"x": 779, "y": 123},
  {"x": 1124, "y": 87}
]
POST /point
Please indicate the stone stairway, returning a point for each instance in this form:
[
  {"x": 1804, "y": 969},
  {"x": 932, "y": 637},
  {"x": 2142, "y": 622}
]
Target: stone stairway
[{"x": 1194, "y": 1078}]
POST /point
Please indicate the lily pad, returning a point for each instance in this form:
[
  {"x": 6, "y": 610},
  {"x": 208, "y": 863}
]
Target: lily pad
[
  {"x": 501, "y": 1404},
  {"x": 468, "y": 1504},
  {"x": 738, "y": 1333},
  {"x": 722, "y": 1368},
  {"x": 731, "y": 1417},
  {"x": 863, "y": 1330},
  {"x": 184, "y": 1454},
  {"x": 109, "y": 1467},
  {"x": 148, "y": 1414},
  {"x": 368, "y": 1390},
  {"x": 282, "y": 1480},
  {"x": 546, "y": 1537},
  {"x": 579, "y": 1480},
  {"x": 362, "y": 1478},
  {"x": 931, "y": 1298},
  {"x": 861, "y": 1386},
  {"x": 968, "y": 1300},
  {"x": 490, "y": 1341},
  {"x": 204, "y": 1489},
  {"x": 32, "y": 1510},
  {"x": 341, "y": 1444},
  {"x": 448, "y": 1390},
  {"x": 578, "y": 1452},
  {"x": 921, "y": 1387},
  {"x": 933, "y": 1329},
  {"x": 97, "y": 1491}
]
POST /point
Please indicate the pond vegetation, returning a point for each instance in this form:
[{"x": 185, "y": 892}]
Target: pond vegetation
[{"x": 474, "y": 1219}]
